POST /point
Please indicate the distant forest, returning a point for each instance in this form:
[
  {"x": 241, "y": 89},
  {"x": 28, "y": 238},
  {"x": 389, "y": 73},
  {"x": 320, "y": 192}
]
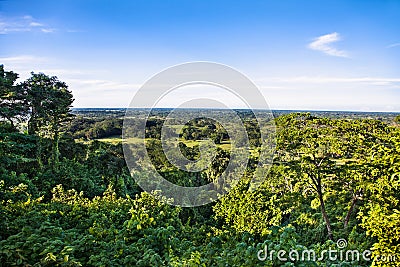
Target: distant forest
[{"x": 95, "y": 123}]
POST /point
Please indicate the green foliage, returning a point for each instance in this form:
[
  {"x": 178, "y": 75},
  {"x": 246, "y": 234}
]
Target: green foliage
[
  {"x": 397, "y": 119},
  {"x": 13, "y": 106},
  {"x": 49, "y": 101},
  {"x": 91, "y": 129},
  {"x": 381, "y": 216},
  {"x": 17, "y": 150},
  {"x": 68, "y": 202}
]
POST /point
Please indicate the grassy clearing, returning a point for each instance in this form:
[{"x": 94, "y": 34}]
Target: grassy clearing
[
  {"x": 112, "y": 139},
  {"x": 118, "y": 139},
  {"x": 191, "y": 143}
]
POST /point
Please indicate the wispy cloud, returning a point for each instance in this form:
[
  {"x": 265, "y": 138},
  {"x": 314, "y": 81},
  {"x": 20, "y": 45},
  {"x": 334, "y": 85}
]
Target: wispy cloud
[
  {"x": 22, "y": 24},
  {"x": 104, "y": 84},
  {"x": 75, "y": 31},
  {"x": 25, "y": 59},
  {"x": 47, "y": 30},
  {"x": 380, "y": 81},
  {"x": 35, "y": 24},
  {"x": 393, "y": 45},
  {"x": 323, "y": 44},
  {"x": 362, "y": 93}
]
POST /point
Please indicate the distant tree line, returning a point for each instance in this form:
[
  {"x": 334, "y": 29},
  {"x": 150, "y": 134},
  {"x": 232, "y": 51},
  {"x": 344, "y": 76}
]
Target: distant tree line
[{"x": 90, "y": 128}]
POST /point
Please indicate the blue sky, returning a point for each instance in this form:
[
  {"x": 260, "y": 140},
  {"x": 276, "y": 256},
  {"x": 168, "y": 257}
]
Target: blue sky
[{"x": 325, "y": 55}]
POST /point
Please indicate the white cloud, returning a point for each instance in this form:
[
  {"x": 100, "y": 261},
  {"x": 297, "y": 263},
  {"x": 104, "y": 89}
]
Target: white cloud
[
  {"x": 24, "y": 59},
  {"x": 22, "y": 24},
  {"x": 393, "y": 45},
  {"x": 322, "y": 79},
  {"x": 362, "y": 93},
  {"x": 35, "y": 24},
  {"x": 323, "y": 44},
  {"x": 24, "y": 64},
  {"x": 47, "y": 30},
  {"x": 353, "y": 95},
  {"x": 101, "y": 93},
  {"x": 103, "y": 84},
  {"x": 75, "y": 31}
]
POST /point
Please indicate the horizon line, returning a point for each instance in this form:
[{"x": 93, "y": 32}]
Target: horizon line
[{"x": 260, "y": 109}]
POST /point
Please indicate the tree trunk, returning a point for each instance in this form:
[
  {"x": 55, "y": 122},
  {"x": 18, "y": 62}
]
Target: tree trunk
[
  {"x": 56, "y": 151},
  {"x": 11, "y": 122},
  {"x": 350, "y": 211},
  {"x": 32, "y": 124},
  {"x": 325, "y": 215},
  {"x": 39, "y": 152}
]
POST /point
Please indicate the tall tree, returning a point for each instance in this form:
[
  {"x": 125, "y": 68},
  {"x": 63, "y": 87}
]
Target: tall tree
[
  {"x": 310, "y": 146},
  {"x": 13, "y": 106},
  {"x": 50, "y": 105}
]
